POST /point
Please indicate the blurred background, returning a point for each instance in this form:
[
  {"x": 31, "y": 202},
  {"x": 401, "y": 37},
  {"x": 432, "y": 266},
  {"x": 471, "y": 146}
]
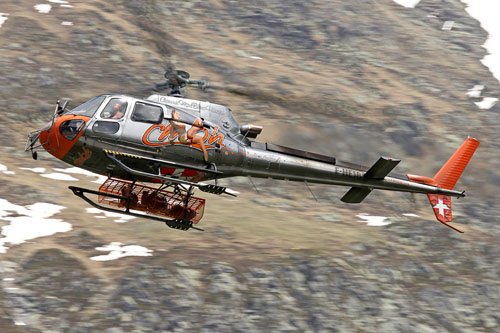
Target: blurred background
[{"x": 350, "y": 79}]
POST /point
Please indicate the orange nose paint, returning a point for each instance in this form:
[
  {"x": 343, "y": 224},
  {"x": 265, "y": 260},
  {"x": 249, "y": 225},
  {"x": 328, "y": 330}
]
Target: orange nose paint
[{"x": 54, "y": 142}]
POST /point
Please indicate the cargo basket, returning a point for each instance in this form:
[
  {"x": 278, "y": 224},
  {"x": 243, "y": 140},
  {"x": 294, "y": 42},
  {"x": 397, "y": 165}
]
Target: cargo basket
[{"x": 152, "y": 201}]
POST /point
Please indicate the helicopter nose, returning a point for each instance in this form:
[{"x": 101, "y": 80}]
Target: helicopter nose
[{"x": 59, "y": 136}]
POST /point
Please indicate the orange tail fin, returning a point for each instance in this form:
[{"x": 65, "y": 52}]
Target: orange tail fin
[{"x": 446, "y": 178}]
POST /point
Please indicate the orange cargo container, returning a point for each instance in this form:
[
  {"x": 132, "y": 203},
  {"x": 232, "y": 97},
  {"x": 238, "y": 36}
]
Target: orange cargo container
[{"x": 152, "y": 201}]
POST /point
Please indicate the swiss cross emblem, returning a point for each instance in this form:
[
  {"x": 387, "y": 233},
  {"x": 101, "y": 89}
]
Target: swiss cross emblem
[{"x": 442, "y": 207}]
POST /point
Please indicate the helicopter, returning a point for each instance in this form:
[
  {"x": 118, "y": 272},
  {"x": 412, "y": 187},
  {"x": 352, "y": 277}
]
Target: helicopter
[{"x": 157, "y": 151}]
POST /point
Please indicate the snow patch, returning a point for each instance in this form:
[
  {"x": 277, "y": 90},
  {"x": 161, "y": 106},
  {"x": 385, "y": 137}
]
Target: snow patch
[
  {"x": 43, "y": 8},
  {"x": 407, "y": 3},
  {"x": 4, "y": 170},
  {"x": 375, "y": 221},
  {"x": 3, "y": 18},
  {"x": 61, "y": 3},
  {"x": 476, "y": 91},
  {"x": 37, "y": 170},
  {"x": 100, "y": 179},
  {"x": 59, "y": 176},
  {"x": 116, "y": 251},
  {"x": 486, "y": 11},
  {"x": 29, "y": 222},
  {"x": 121, "y": 218},
  {"x": 487, "y": 103},
  {"x": 447, "y": 25},
  {"x": 411, "y": 215}
]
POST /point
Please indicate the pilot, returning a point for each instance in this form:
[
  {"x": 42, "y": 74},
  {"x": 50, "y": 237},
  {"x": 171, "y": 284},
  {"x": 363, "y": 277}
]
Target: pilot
[
  {"x": 115, "y": 113},
  {"x": 189, "y": 136}
]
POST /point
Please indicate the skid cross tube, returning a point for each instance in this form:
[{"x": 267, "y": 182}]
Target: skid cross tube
[
  {"x": 209, "y": 188},
  {"x": 176, "y": 223}
]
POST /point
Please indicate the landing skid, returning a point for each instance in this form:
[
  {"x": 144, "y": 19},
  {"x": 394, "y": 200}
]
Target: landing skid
[{"x": 179, "y": 224}]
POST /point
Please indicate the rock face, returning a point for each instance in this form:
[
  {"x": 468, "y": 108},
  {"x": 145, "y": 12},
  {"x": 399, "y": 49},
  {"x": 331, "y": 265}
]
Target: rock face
[
  {"x": 346, "y": 292},
  {"x": 352, "y": 79}
]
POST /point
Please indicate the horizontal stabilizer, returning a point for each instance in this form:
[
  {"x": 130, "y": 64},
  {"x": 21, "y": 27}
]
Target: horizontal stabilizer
[
  {"x": 381, "y": 168},
  {"x": 356, "y": 195}
]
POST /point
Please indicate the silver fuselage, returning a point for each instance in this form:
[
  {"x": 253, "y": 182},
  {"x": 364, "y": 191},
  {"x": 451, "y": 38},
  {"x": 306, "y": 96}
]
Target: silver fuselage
[{"x": 228, "y": 149}]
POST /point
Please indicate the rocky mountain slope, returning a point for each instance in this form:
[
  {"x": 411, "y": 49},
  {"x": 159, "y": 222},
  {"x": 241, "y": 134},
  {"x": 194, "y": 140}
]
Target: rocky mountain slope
[{"x": 351, "y": 79}]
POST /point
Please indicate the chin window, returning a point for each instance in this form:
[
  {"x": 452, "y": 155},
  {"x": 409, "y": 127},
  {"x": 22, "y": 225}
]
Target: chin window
[{"x": 70, "y": 128}]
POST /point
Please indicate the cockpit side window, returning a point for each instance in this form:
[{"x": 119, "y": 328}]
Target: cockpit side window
[
  {"x": 115, "y": 109},
  {"x": 147, "y": 113},
  {"x": 88, "y": 108}
]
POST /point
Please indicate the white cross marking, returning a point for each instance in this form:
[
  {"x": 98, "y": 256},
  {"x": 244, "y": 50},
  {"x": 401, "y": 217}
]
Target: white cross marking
[
  {"x": 177, "y": 173},
  {"x": 442, "y": 207}
]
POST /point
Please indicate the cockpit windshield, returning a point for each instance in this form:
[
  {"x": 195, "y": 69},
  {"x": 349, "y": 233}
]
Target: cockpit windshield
[{"x": 88, "y": 108}]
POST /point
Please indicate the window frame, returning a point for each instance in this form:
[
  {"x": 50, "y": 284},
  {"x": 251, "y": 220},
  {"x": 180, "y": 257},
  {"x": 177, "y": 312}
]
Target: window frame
[
  {"x": 76, "y": 111},
  {"x": 105, "y": 123},
  {"x": 147, "y": 121},
  {"x": 124, "y": 109},
  {"x": 70, "y": 133}
]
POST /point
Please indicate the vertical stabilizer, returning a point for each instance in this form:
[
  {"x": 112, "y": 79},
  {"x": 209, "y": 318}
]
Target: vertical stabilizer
[{"x": 448, "y": 176}]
